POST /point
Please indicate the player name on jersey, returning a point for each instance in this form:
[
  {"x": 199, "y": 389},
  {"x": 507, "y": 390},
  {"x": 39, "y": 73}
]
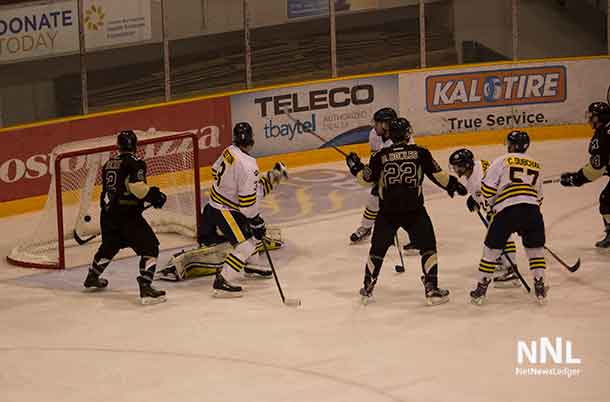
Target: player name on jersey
[
  {"x": 398, "y": 156},
  {"x": 516, "y": 161}
]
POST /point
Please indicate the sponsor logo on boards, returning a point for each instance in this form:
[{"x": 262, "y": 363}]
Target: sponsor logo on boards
[{"x": 480, "y": 89}]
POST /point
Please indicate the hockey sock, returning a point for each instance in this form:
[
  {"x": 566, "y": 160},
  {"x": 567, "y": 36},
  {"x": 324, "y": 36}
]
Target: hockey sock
[
  {"x": 235, "y": 261},
  {"x": 368, "y": 217},
  {"x": 536, "y": 261},
  {"x": 371, "y": 270},
  {"x": 98, "y": 266},
  {"x": 429, "y": 264},
  {"x": 487, "y": 265},
  {"x": 509, "y": 252},
  {"x": 148, "y": 265}
]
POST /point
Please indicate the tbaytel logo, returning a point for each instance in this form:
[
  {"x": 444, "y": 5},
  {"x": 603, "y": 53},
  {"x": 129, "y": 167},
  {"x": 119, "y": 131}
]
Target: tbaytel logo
[{"x": 290, "y": 130}]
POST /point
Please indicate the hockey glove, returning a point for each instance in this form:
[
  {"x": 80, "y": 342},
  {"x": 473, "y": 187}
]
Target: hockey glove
[
  {"x": 278, "y": 173},
  {"x": 354, "y": 163},
  {"x": 455, "y": 186},
  {"x": 472, "y": 204},
  {"x": 573, "y": 179},
  {"x": 156, "y": 198},
  {"x": 257, "y": 225}
]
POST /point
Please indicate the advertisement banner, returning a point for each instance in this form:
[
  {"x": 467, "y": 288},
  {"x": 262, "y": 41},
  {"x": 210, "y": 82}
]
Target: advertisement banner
[
  {"x": 38, "y": 31},
  {"x": 24, "y": 153},
  {"x": 341, "y": 112},
  {"x": 28, "y": 32},
  {"x": 308, "y": 8},
  {"x": 502, "y": 97},
  {"x": 116, "y": 22}
]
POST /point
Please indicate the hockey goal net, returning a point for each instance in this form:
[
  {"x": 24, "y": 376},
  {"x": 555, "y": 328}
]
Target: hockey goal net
[{"x": 70, "y": 217}]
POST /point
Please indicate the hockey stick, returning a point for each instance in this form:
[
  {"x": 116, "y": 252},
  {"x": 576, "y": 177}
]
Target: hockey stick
[
  {"x": 288, "y": 302},
  {"x": 510, "y": 261},
  {"x": 399, "y": 268},
  {"x": 571, "y": 268},
  {"x": 324, "y": 140},
  {"x": 549, "y": 181},
  {"x": 86, "y": 240}
]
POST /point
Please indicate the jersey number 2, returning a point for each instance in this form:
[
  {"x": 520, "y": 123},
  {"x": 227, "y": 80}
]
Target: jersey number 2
[{"x": 515, "y": 172}]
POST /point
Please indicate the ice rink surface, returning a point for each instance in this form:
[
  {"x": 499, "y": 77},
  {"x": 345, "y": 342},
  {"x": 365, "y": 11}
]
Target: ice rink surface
[{"x": 60, "y": 343}]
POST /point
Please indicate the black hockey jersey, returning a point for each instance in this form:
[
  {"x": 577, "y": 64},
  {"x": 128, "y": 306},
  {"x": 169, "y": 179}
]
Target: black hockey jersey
[
  {"x": 599, "y": 148},
  {"x": 399, "y": 171},
  {"x": 116, "y": 174}
]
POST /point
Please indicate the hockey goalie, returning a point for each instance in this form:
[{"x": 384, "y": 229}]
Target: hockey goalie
[{"x": 208, "y": 258}]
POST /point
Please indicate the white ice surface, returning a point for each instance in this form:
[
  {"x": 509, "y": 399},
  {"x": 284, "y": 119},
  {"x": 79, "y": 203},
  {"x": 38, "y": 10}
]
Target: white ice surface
[{"x": 59, "y": 343}]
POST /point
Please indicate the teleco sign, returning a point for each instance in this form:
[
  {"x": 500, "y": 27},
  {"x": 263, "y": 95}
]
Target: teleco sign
[
  {"x": 281, "y": 118},
  {"x": 24, "y": 153}
]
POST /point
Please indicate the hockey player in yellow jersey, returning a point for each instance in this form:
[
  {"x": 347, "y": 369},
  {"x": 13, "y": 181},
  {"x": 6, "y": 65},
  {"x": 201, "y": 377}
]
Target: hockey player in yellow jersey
[
  {"x": 233, "y": 210},
  {"x": 512, "y": 187},
  {"x": 464, "y": 165}
]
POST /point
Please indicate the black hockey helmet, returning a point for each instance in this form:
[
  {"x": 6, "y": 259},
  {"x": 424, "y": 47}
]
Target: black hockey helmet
[
  {"x": 385, "y": 114},
  {"x": 400, "y": 130},
  {"x": 242, "y": 134},
  {"x": 517, "y": 141},
  {"x": 598, "y": 112},
  {"x": 461, "y": 161},
  {"x": 127, "y": 141}
]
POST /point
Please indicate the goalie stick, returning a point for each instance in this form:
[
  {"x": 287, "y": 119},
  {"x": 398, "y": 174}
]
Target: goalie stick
[
  {"x": 510, "y": 261},
  {"x": 288, "y": 302}
]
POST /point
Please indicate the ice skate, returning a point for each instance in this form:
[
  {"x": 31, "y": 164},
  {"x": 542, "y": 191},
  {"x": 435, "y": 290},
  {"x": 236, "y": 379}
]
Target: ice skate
[
  {"x": 148, "y": 294},
  {"x": 168, "y": 274},
  {"x": 410, "y": 249},
  {"x": 507, "y": 279},
  {"x": 540, "y": 290},
  {"x": 479, "y": 295},
  {"x": 93, "y": 280},
  {"x": 604, "y": 244},
  {"x": 258, "y": 272},
  {"x": 366, "y": 292},
  {"x": 434, "y": 294},
  {"x": 223, "y": 289},
  {"x": 366, "y": 296},
  {"x": 360, "y": 234}
]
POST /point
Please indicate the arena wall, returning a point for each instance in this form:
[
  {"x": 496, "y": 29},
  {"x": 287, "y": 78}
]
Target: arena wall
[{"x": 447, "y": 106}]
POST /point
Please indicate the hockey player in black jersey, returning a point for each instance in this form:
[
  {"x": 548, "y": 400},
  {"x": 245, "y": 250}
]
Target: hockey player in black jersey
[
  {"x": 399, "y": 170},
  {"x": 124, "y": 192},
  {"x": 598, "y": 165}
]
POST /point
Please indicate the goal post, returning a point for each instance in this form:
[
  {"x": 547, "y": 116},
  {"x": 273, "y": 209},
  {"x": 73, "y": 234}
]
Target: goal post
[{"x": 71, "y": 213}]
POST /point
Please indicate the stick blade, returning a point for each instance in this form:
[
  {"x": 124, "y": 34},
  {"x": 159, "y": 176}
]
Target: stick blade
[
  {"x": 80, "y": 240},
  {"x": 575, "y": 267},
  {"x": 292, "y": 302}
]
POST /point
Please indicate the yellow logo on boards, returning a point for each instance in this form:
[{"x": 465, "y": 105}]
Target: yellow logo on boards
[{"x": 94, "y": 17}]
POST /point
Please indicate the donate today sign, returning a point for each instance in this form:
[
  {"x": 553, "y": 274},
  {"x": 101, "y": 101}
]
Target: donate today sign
[{"x": 38, "y": 31}]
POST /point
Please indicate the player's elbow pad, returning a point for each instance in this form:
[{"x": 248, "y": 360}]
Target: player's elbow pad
[
  {"x": 139, "y": 189},
  {"x": 588, "y": 173},
  {"x": 442, "y": 178}
]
